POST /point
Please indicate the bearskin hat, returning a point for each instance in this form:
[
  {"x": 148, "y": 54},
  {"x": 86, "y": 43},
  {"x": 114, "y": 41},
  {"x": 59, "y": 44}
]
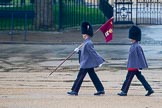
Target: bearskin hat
[
  {"x": 86, "y": 28},
  {"x": 135, "y": 33}
]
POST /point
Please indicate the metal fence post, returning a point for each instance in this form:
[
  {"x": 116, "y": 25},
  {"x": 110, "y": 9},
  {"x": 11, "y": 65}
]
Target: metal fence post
[
  {"x": 12, "y": 25},
  {"x": 60, "y": 15},
  {"x": 136, "y": 11},
  {"x": 25, "y": 29}
]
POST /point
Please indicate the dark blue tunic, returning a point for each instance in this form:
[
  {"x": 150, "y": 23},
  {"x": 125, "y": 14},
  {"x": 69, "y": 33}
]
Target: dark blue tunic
[
  {"x": 89, "y": 58},
  {"x": 136, "y": 57}
]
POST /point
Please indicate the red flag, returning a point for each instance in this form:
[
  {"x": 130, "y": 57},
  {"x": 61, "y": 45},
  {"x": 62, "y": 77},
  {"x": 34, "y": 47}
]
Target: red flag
[{"x": 107, "y": 29}]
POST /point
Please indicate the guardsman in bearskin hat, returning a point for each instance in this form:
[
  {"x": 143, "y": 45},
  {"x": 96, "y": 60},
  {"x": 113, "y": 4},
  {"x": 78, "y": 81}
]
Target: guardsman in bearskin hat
[
  {"x": 136, "y": 62},
  {"x": 88, "y": 59}
]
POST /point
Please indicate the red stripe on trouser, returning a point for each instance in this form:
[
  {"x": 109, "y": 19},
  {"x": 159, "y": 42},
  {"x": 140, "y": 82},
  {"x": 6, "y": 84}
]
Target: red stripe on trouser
[
  {"x": 129, "y": 79},
  {"x": 77, "y": 83}
]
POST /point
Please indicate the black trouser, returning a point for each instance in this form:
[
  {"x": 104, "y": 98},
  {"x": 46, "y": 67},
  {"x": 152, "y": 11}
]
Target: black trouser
[
  {"x": 129, "y": 78},
  {"x": 97, "y": 83}
]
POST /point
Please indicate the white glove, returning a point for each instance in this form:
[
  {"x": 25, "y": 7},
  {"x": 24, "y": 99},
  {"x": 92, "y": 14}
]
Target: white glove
[
  {"x": 76, "y": 50},
  {"x": 100, "y": 65}
]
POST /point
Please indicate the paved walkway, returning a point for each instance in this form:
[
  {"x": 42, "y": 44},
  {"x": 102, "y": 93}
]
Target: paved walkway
[
  {"x": 24, "y": 69},
  {"x": 60, "y": 44},
  {"x": 150, "y": 35}
]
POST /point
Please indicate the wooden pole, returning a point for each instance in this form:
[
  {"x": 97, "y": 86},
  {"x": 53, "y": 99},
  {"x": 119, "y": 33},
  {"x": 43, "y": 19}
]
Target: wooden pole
[
  {"x": 69, "y": 55},
  {"x": 65, "y": 59}
]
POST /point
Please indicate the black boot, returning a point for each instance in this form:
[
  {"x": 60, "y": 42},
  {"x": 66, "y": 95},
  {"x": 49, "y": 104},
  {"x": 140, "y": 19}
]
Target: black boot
[
  {"x": 72, "y": 93},
  {"x": 122, "y": 94},
  {"x": 149, "y": 93},
  {"x": 99, "y": 93}
]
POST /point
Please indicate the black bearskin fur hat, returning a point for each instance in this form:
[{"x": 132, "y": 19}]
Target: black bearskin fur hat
[
  {"x": 86, "y": 28},
  {"x": 135, "y": 33}
]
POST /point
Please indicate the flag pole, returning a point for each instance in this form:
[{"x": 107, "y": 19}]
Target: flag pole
[
  {"x": 101, "y": 26},
  {"x": 65, "y": 59},
  {"x": 62, "y": 62},
  {"x": 69, "y": 56},
  {"x": 96, "y": 30}
]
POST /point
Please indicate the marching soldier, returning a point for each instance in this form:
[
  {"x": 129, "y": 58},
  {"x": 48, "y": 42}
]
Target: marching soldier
[
  {"x": 136, "y": 61},
  {"x": 88, "y": 59}
]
